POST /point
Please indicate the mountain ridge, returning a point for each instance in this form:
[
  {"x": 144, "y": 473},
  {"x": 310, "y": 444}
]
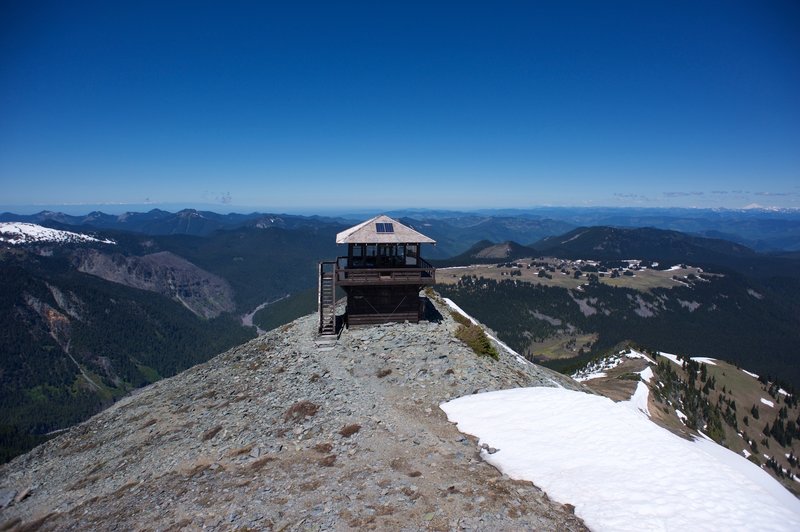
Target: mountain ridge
[
  {"x": 60, "y": 325},
  {"x": 160, "y": 222},
  {"x": 277, "y": 433}
]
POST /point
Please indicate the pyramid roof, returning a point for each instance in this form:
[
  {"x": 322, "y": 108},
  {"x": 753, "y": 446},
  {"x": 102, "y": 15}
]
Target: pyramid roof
[{"x": 367, "y": 233}]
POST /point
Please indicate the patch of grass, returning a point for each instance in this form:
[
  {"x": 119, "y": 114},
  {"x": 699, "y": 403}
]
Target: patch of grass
[
  {"x": 644, "y": 280},
  {"x": 323, "y": 447},
  {"x": 460, "y": 318},
  {"x": 241, "y": 450},
  {"x": 149, "y": 373},
  {"x": 97, "y": 467},
  {"x": 349, "y": 430},
  {"x": 311, "y": 485},
  {"x": 300, "y": 410},
  {"x": 32, "y": 526},
  {"x": 210, "y": 433},
  {"x": 561, "y": 346},
  {"x": 477, "y": 340},
  {"x": 8, "y": 525},
  {"x": 474, "y": 336},
  {"x": 261, "y": 462},
  {"x": 328, "y": 461},
  {"x": 84, "y": 482}
]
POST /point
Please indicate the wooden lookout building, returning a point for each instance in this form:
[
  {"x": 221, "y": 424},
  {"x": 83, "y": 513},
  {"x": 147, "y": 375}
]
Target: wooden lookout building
[{"x": 381, "y": 274}]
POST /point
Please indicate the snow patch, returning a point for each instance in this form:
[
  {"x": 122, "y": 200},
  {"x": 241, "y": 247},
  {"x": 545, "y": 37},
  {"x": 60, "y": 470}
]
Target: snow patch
[
  {"x": 590, "y": 376},
  {"x": 599, "y": 368},
  {"x": 768, "y": 402},
  {"x": 706, "y": 360},
  {"x": 670, "y": 356},
  {"x": 702, "y": 360},
  {"x": 751, "y": 374},
  {"x": 691, "y": 305},
  {"x": 25, "y": 233},
  {"x": 639, "y": 399},
  {"x": 620, "y": 470},
  {"x": 574, "y": 237},
  {"x": 632, "y": 353}
]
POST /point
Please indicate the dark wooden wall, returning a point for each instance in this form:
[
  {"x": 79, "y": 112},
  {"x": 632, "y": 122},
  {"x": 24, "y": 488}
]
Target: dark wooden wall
[{"x": 382, "y": 304}]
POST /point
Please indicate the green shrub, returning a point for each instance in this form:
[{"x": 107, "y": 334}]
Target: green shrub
[
  {"x": 460, "y": 318},
  {"x": 475, "y": 338}
]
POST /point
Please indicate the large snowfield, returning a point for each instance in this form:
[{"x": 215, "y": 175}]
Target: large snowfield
[{"x": 620, "y": 470}]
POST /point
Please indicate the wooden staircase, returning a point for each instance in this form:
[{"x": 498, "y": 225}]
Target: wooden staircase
[{"x": 327, "y": 298}]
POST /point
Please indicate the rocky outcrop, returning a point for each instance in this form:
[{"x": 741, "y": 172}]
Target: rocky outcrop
[
  {"x": 204, "y": 293},
  {"x": 282, "y": 434}
]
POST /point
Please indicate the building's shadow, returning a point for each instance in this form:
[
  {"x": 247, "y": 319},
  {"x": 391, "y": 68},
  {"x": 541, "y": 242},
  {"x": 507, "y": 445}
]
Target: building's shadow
[{"x": 430, "y": 313}]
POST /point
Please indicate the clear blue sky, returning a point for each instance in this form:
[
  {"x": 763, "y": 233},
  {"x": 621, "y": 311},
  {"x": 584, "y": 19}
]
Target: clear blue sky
[{"x": 400, "y": 104}]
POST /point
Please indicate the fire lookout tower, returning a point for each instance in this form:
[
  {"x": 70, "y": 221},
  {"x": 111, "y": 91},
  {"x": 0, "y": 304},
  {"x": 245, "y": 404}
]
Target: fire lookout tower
[{"x": 381, "y": 274}]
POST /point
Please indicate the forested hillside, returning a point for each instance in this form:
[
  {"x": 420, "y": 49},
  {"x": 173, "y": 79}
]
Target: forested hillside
[
  {"x": 260, "y": 264},
  {"x": 721, "y": 316},
  {"x": 72, "y": 343}
]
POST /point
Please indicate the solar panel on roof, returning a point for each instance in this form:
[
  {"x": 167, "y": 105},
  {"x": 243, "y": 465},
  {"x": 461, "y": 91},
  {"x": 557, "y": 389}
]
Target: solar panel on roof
[{"x": 384, "y": 228}]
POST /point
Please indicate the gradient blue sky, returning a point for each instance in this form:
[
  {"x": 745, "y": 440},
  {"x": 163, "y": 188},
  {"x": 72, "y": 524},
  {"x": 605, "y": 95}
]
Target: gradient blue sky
[{"x": 400, "y": 104}]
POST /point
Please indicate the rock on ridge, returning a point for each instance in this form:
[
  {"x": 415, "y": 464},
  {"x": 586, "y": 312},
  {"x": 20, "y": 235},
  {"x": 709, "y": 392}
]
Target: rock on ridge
[{"x": 277, "y": 434}]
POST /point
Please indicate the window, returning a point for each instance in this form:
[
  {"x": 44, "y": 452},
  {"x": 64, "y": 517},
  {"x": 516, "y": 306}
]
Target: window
[
  {"x": 411, "y": 254},
  {"x": 384, "y": 227}
]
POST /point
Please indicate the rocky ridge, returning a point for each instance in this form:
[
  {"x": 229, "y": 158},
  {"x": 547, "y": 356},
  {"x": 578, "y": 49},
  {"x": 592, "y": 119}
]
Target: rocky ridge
[{"x": 280, "y": 434}]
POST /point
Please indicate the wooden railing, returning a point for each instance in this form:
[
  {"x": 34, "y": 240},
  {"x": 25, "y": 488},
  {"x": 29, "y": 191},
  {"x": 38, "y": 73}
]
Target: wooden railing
[{"x": 424, "y": 274}]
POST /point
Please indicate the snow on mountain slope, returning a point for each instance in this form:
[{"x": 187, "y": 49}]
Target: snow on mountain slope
[
  {"x": 619, "y": 470},
  {"x": 27, "y": 233}
]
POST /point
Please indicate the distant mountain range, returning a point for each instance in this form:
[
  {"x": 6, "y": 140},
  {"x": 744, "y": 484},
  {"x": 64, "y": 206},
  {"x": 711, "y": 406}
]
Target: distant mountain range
[
  {"x": 158, "y": 222},
  {"x": 617, "y": 243},
  {"x": 614, "y": 243},
  {"x": 487, "y": 252},
  {"x": 122, "y": 300},
  {"x": 762, "y": 230}
]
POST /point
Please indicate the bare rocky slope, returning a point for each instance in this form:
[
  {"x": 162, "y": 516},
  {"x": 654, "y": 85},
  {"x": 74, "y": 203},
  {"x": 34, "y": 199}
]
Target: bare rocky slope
[
  {"x": 280, "y": 434},
  {"x": 204, "y": 293}
]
